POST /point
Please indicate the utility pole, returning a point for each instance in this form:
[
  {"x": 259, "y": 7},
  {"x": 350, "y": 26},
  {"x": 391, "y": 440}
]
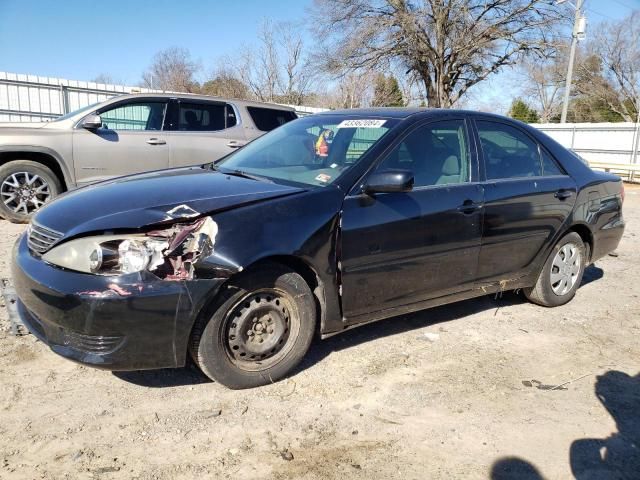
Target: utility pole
[
  {"x": 579, "y": 25},
  {"x": 636, "y": 137}
]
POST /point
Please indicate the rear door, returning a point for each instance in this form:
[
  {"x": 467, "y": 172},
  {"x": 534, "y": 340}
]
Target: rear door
[
  {"x": 403, "y": 248},
  {"x": 528, "y": 197},
  {"x": 203, "y": 131},
  {"x": 131, "y": 140}
]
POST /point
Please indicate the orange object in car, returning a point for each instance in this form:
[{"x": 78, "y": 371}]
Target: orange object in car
[{"x": 322, "y": 146}]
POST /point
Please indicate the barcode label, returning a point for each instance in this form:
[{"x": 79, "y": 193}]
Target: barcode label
[{"x": 364, "y": 123}]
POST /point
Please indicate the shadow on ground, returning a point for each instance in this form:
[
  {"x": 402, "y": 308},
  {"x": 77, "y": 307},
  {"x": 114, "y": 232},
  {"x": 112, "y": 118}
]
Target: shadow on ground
[
  {"x": 319, "y": 350},
  {"x": 615, "y": 457}
]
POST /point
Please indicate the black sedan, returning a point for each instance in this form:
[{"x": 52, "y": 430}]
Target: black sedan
[{"x": 328, "y": 222}]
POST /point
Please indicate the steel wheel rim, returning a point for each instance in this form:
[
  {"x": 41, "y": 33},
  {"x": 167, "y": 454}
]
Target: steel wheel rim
[
  {"x": 24, "y": 192},
  {"x": 565, "y": 269},
  {"x": 260, "y": 329}
]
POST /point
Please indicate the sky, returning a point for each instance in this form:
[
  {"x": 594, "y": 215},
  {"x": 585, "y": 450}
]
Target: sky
[{"x": 80, "y": 40}]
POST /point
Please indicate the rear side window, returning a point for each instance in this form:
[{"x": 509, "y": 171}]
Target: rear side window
[
  {"x": 205, "y": 117},
  {"x": 266, "y": 119},
  {"x": 549, "y": 166},
  {"x": 508, "y": 152}
]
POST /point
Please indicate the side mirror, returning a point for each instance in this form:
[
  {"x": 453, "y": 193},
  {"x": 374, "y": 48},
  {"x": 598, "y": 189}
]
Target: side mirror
[
  {"x": 91, "y": 122},
  {"x": 389, "y": 181}
]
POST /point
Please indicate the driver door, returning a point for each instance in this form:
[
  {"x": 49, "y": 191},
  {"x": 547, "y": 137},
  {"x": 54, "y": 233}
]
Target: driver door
[
  {"x": 131, "y": 140},
  {"x": 404, "y": 248}
]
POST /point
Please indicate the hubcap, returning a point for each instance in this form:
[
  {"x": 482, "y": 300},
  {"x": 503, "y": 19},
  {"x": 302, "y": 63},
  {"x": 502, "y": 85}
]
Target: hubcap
[
  {"x": 24, "y": 192},
  {"x": 258, "y": 329},
  {"x": 565, "y": 269}
]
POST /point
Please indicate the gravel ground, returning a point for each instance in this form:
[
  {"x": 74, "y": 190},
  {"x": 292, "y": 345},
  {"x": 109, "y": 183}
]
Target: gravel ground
[{"x": 461, "y": 391}]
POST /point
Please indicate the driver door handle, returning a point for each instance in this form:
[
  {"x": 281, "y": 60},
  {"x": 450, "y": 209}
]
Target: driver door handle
[
  {"x": 235, "y": 144},
  {"x": 156, "y": 141},
  {"x": 563, "y": 194},
  {"x": 469, "y": 206}
]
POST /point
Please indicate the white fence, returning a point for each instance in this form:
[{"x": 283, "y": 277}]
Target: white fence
[
  {"x": 31, "y": 98},
  {"x": 597, "y": 142}
]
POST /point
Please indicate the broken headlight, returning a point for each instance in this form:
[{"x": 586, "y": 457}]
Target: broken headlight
[{"x": 109, "y": 254}]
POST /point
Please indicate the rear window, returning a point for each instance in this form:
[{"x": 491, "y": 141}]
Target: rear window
[{"x": 266, "y": 119}]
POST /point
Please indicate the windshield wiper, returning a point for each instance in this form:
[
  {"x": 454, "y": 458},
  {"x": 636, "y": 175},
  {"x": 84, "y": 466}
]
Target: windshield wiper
[{"x": 243, "y": 174}]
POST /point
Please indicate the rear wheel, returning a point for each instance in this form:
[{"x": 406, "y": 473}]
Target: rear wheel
[
  {"x": 25, "y": 186},
  {"x": 261, "y": 328},
  {"x": 562, "y": 273}
]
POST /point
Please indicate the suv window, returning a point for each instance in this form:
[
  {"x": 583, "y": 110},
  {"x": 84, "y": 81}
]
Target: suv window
[
  {"x": 436, "y": 153},
  {"x": 508, "y": 152},
  {"x": 204, "y": 117},
  {"x": 266, "y": 119},
  {"x": 134, "y": 116}
]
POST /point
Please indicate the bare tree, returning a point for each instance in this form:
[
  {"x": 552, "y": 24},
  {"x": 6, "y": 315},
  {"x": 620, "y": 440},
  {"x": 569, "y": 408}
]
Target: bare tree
[
  {"x": 410, "y": 86},
  {"x": 297, "y": 72},
  {"x": 352, "y": 90},
  {"x": 277, "y": 69},
  {"x": 267, "y": 72},
  {"x": 543, "y": 85},
  {"x": 611, "y": 69},
  {"x": 450, "y": 44},
  {"x": 104, "y": 78},
  {"x": 172, "y": 69}
]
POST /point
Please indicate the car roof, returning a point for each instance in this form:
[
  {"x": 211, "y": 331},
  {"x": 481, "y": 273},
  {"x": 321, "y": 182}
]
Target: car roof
[
  {"x": 193, "y": 96},
  {"x": 388, "y": 112},
  {"x": 405, "y": 112}
]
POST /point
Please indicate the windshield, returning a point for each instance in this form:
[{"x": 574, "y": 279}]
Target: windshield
[
  {"x": 314, "y": 150},
  {"x": 75, "y": 112}
]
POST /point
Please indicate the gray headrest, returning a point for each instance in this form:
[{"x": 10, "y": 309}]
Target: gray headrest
[{"x": 451, "y": 166}]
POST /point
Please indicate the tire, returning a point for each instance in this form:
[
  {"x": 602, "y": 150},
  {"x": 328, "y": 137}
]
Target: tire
[
  {"x": 558, "y": 281},
  {"x": 37, "y": 182},
  {"x": 260, "y": 328}
]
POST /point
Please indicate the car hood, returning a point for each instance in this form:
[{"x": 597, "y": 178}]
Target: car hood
[{"x": 153, "y": 198}]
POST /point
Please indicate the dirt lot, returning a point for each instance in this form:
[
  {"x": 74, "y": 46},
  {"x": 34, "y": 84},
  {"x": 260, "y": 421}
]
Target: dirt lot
[{"x": 463, "y": 391}]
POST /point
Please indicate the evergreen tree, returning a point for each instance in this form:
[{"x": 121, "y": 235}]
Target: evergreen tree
[
  {"x": 386, "y": 92},
  {"x": 521, "y": 111}
]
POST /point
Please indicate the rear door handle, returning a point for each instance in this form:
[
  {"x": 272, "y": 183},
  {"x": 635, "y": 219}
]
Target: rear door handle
[
  {"x": 563, "y": 194},
  {"x": 156, "y": 141},
  {"x": 235, "y": 144},
  {"x": 469, "y": 206}
]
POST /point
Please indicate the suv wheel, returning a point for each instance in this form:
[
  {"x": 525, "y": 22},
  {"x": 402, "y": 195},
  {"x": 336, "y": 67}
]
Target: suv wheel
[
  {"x": 562, "y": 273},
  {"x": 262, "y": 326},
  {"x": 25, "y": 186}
]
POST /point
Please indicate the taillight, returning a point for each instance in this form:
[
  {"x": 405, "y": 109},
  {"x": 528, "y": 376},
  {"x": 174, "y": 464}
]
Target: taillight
[{"x": 622, "y": 191}]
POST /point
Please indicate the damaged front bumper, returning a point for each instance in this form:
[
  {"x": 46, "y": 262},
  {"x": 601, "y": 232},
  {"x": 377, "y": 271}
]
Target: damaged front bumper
[{"x": 129, "y": 322}]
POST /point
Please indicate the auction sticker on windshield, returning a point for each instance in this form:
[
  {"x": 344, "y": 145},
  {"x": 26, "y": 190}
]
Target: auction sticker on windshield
[{"x": 364, "y": 123}]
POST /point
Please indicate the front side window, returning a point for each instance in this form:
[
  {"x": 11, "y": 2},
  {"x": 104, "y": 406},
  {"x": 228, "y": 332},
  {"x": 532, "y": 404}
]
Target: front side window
[
  {"x": 267, "y": 119},
  {"x": 436, "y": 154},
  {"x": 134, "y": 116},
  {"x": 508, "y": 152},
  {"x": 314, "y": 150},
  {"x": 203, "y": 117}
]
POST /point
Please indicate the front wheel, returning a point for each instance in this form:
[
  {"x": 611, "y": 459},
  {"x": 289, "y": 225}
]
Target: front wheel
[
  {"x": 261, "y": 328},
  {"x": 25, "y": 186},
  {"x": 562, "y": 273}
]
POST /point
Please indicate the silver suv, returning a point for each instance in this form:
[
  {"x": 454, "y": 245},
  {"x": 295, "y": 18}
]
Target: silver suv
[{"x": 124, "y": 135}]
